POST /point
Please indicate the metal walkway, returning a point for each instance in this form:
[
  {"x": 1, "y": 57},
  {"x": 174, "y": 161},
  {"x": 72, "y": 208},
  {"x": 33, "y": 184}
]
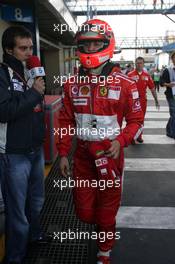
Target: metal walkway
[
  {"x": 141, "y": 42},
  {"x": 57, "y": 217},
  {"x": 120, "y": 7}
]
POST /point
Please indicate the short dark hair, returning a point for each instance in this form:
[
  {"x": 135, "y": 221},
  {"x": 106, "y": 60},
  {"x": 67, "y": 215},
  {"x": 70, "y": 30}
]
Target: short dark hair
[
  {"x": 117, "y": 64},
  {"x": 172, "y": 54},
  {"x": 9, "y": 35},
  {"x": 140, "y": 58}
]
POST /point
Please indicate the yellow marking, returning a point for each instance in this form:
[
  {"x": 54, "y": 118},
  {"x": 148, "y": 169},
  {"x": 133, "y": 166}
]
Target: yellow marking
[
  {"x": 47, "y": 169},
  {"x": 103, "y": 91}
]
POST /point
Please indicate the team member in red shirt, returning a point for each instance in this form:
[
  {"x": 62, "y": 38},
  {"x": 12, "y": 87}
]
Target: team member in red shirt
[
  {"x": 143, "y": 81},
  {"x": 96, "y": 110}
]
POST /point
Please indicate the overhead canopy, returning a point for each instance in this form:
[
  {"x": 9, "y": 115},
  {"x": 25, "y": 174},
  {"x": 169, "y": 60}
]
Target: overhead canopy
[
  {"x": 52, "y": 13},
  {"x": 120, "y": 7}
]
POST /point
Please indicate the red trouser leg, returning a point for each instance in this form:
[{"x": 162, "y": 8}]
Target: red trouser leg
[
  {"x": 143, "y": 106},
  {"x": 92, "y": 204},
  {"x": 108, "y": 202},
  {"x": 84, "y": 195}
]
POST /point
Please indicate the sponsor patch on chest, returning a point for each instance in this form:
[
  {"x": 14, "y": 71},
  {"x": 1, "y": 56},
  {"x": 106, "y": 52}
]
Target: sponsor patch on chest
[
  {"x": 135, "y": 78},
  {"x": 80, "y": 101},
  {"x": 144, "y": 78},
  {"x": 103, "y": 91},
  {"x": 114, "y": 92},
  {"x": 109, "y": 92},
  {"x": 74, "y": 90},
  {"x": 80, "y": 91},
  {"x": 84, "y": 90}
]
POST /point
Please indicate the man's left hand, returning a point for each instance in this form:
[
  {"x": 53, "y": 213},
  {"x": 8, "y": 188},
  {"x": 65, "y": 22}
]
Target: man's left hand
[{"x": 114, "y": 150}]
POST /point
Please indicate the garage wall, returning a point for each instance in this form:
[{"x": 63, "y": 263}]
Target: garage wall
[
  {"x": 3, "y": 26},
  {"x": 51, "y": 59}
]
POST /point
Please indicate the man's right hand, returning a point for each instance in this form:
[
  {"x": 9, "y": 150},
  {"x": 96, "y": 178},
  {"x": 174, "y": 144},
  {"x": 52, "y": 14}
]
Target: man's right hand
[
  {"x": 39, "y": 85},
  {"x": 64, "y": 166}
]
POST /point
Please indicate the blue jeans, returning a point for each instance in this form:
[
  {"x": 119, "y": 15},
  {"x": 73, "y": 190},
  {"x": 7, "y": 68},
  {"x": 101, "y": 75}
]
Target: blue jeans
[
  {"x": 170, "y": 128},
  {"x": 22, "y": 182}
]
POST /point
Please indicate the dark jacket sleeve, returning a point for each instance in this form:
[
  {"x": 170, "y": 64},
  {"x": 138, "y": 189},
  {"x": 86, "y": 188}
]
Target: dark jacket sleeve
[
  {"x": 165, "y": 77},
  {"x": 15, "y": 105}
]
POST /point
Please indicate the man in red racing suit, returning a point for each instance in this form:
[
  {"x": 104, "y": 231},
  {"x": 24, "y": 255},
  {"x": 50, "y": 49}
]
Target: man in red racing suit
[
  {"x": 143, "y": 81},
  {"x": 95, "y": 110}
]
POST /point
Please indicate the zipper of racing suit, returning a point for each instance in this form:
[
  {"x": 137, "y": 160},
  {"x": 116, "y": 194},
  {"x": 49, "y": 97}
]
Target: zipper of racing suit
[
  {"x": 91, "y": 103},
  {"x": 95, "y": 72}
]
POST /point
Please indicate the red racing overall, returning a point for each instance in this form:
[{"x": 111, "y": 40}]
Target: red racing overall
[
  {"x": 106, "y": 106},
  {"x": 143, "y": 80}
]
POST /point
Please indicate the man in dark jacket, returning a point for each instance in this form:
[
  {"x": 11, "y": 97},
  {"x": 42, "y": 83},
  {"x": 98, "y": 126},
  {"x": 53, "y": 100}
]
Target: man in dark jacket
[
  {"x": 167, "y": 79},
  {"x": 21, "y": 139}
]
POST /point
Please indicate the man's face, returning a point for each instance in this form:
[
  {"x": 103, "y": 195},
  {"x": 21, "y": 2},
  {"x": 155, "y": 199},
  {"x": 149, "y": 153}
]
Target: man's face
[
  {"x": 139, "y": 65},
  {"x": 23, "y": 48},
  {"x": 93, "y": 46}
]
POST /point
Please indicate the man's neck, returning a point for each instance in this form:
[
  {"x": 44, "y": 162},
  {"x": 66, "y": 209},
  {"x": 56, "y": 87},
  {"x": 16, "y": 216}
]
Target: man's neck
[
  {"x": 140, "y": 71},
  {"x": 98, "y": 70}
]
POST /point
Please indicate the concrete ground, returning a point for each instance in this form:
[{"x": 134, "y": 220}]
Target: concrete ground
[{"x": 146, "y": 219}]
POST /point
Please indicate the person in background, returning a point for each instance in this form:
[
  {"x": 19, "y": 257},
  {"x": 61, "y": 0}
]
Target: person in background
[
  {"x": 118, "y": 66},
  {"x": 154, "y": 3},
  {"x": 127, "y": 69},
  {"x": 143, "y": 81},
  {"x": 156, "y": 78},
  {"x": 92, "y": 108},
  {"x": 167, "y": 79},
  {"x": 22, "y": 133}
]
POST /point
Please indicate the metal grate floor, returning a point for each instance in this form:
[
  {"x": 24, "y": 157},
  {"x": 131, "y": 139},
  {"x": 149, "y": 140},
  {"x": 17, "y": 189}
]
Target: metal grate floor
[
  {"x": 58, "y": 216},
  {"x": 59, "y": 254}
]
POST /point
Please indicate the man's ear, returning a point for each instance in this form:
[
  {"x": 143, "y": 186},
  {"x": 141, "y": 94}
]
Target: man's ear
[{"x": 9, "y": 51}]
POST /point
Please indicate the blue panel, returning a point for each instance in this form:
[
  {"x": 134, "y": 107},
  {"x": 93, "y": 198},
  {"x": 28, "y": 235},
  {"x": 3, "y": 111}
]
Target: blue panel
[
  {"x": 17, "y": 13},
  {"x": 169, "y": 47}
]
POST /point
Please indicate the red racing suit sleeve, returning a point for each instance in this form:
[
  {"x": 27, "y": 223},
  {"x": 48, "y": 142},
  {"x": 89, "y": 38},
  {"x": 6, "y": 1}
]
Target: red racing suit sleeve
[
  {"x": 66, "y": 124},
  {"x": 133, "y": 115}
]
